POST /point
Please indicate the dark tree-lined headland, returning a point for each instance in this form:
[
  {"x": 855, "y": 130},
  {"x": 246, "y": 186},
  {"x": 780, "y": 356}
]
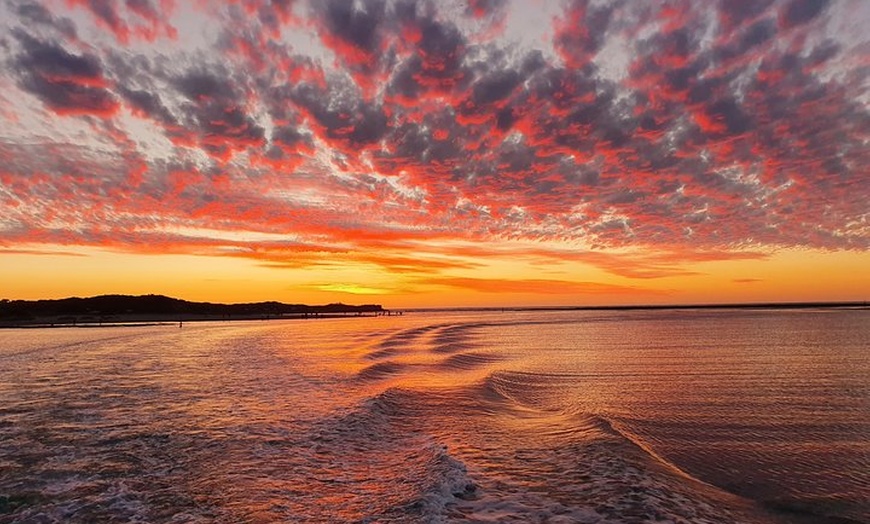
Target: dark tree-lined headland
[{"x": 157, "y": 308}]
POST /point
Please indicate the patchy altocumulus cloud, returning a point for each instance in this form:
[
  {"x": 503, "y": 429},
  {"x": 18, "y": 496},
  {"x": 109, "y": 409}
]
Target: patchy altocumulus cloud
[{"x": 343, "y": 128}]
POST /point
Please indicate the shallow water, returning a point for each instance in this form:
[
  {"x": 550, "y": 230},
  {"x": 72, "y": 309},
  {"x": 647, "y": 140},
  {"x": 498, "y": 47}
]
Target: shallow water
[{"x": 681, "y": 416}]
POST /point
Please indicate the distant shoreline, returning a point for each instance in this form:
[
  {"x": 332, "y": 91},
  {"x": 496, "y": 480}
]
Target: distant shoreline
[
  {"x": 318, "y": 312},
  {"x": 118, "y": 310},
  {"x": 175, "y": 321},
  {"x": 630, "y": 307}
]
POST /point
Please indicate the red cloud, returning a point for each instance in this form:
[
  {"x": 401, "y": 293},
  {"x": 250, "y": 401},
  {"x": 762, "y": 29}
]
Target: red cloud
[{"x": 717, "y": 141}]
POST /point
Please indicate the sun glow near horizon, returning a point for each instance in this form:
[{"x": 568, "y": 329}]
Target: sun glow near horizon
[
  {"x": 788, "y": 276},
  {"x": 436, "y": 154}
]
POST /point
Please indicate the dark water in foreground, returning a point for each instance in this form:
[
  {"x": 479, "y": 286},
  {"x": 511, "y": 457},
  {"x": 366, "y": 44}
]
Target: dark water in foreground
[{"x": 590, "y": 417}]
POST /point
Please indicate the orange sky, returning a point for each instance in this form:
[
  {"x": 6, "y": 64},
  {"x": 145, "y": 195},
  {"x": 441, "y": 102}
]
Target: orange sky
[
  {"x": 500, "y": 153},
  {"x": 790, "y": 275}
]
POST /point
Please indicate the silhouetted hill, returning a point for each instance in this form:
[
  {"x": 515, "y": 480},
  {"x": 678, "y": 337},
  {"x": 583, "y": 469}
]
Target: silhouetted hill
[{"x": 163, "y": 306}]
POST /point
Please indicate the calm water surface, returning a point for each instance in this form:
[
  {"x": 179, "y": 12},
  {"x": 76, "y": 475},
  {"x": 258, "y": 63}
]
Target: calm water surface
[{"x": 590, "y": 417}]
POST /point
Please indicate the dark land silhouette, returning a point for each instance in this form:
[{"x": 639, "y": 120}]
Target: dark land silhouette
[
  {"x": 158, "y": 308},
  {"x": 127, "y": 309}
]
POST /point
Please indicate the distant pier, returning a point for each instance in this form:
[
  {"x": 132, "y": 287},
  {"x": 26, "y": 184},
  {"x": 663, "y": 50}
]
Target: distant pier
[{"x": 320, "y": 314}]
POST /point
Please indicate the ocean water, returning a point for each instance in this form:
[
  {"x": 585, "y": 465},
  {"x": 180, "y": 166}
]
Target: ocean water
[{"x": 592, "y": 417}]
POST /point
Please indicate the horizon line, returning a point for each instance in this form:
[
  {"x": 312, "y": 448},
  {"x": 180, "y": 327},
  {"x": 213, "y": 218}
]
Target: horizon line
[{"x": 573, "y": 307}]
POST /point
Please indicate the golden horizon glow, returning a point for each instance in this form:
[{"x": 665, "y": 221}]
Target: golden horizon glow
[{"x": 784, "y": 276}]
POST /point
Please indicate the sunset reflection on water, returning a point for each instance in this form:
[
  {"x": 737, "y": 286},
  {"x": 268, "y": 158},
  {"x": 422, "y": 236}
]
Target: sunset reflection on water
[{"x": 516, "y": 416}]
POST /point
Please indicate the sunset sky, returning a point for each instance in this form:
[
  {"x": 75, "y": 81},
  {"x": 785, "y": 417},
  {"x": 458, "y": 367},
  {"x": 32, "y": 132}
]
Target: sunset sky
[{"x": 449, "y": 153}]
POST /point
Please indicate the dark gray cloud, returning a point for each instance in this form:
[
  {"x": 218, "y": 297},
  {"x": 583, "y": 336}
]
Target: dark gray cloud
[
  {"x": 52, "y": 60},
  {"x": 798, "y": 12},
  {"x": 734, "y": 13},
  {"x": 65, "y": 82},
  {"x": 730, "y": 113},
  {"x": 106, "y": 11},
  {"x": 37, "y": 14},
  {"x": 495, "y": 87},
  {"x": 344, "y": 116},
  {"x": 147, "y": 103},
  {"x": 204, "y": 85},
  {"x": 290, "y": 136},
  {"x": 581, "y": 33},
  {"x": 357, "y": 27}
]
